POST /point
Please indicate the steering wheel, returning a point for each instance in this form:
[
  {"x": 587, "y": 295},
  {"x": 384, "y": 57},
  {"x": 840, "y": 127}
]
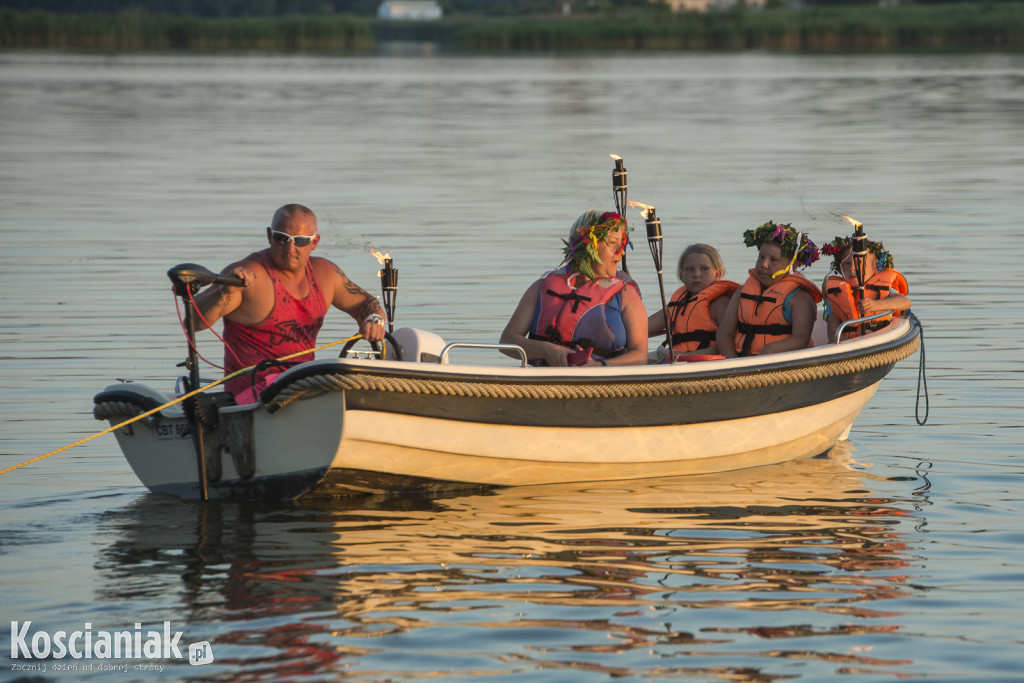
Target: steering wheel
[{"x": 373, "y": 345}]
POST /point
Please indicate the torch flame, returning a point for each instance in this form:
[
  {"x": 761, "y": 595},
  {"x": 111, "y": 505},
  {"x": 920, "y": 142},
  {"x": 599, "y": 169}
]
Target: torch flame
[
  {"x": 616, "y": 157},
  {"x": 646, "y": 210},
  {"x": 856, "y": 224},
  {"x": 379, "y": 256}
]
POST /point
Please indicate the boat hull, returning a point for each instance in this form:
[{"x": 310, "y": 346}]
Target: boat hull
[
  {"x": 364, "y": 426},
  {"x": 384, "y": 452},
  {"x": 250, "y": 453}
]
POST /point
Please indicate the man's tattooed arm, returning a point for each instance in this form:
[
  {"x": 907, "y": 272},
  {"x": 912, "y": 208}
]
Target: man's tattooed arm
[{"x": 368, "y": 304}]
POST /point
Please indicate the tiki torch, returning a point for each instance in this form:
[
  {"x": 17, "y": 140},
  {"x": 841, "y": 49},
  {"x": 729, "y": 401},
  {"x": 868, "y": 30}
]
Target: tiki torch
[
  {"x": 619, "y": 185},
  {"x": 388, "y": 285},
  {"x": 657, "y": 245},
  {"x": 620, "y": 189},
  {"x": 859, "y": 251}
]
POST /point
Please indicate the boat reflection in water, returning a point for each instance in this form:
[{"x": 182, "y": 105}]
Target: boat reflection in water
[{"x": 675, "y": 576}]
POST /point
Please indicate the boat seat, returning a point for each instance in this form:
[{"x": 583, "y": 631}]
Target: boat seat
[
  {"x": 419, "y": 346},
  {"x": 819, "y": 335}
]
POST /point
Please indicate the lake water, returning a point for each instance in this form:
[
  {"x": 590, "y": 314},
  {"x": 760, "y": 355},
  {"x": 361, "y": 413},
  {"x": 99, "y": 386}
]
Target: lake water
[{"x": 899, "y": 555}]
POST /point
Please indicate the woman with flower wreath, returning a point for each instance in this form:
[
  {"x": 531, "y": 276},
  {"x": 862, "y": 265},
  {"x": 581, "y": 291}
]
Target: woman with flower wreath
[
  {"x": 885, "y": 288},
  {"x": 585, "y": 312},
  {"x": 774, "y": 310}
]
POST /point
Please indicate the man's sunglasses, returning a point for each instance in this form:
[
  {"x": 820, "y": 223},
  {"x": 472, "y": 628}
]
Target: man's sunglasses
[{"x": 285, "y": 238}]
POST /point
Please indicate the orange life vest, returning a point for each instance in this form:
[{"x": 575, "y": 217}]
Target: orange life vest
[
  {"x": 690, "y": 315},
  {"x": 842, "y": 303},
  {"x": 764, "y": 315}
]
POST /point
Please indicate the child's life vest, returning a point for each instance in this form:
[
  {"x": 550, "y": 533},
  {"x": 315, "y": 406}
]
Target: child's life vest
[
  {"x": 689, "y": 315},
  {"x": 765, "y": 315},
  {"x": 841, "y": 302}
]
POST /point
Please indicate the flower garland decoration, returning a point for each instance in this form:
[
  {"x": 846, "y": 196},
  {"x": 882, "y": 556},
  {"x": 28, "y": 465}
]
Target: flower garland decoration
[
  {"x": 839, "y": 245},
  {"x": 794, "y": 244},
  {"x": 580, "y": 250}
]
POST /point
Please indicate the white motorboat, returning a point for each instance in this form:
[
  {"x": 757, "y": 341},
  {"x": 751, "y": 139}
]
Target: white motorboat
[{"x": 427, "y": 425}]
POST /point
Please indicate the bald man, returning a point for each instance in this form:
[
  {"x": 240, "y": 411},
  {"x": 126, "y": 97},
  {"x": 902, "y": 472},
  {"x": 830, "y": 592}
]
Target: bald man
[{"x": 281, "y": 307}]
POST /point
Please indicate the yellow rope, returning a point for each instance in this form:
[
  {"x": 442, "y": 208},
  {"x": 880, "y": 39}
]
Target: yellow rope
[{"x": 171, "y": 403}]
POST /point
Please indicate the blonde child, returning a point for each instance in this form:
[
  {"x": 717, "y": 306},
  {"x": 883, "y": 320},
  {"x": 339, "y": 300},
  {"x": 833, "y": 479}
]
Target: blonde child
[
  {"x": 696, "y": 308},
  {"x": 885, "y": 288},
  {"x": 774, "y": 310}
]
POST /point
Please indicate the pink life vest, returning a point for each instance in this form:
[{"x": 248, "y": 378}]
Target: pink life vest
[
  {"x": 291, "y": 326},
  {"x": 568, "y": 314}
]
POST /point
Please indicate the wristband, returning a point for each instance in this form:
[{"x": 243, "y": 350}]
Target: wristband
[{"x": 374, "y": 318}]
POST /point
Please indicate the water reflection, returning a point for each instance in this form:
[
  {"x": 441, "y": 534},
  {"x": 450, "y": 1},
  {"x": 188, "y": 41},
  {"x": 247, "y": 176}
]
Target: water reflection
[{"x": 617, "y": 578}]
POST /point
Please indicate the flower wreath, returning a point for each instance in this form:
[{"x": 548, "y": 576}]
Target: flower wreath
[
  {"x": 786, "y": 236},
  {"x": 580, "y": 250},
  {"x": 839, "y": 244}
]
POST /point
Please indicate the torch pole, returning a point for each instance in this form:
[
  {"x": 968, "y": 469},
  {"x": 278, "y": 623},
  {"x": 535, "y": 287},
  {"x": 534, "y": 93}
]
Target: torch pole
[
  {"x": 389, "y": 290},
  {"x": 657, "y": 245},
  {"x": 859, "y": 253},
  {"x": 859, "y": 250}
]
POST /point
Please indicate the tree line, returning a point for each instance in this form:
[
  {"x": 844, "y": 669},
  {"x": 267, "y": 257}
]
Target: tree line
[
  {"x": 825, "y": 28},
  {"x": 452, "y": 8}
]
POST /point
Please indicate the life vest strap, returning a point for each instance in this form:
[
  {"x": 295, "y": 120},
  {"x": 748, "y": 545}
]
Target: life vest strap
[
  {"x": 682, "y": 302},
  {"x": 702, "y": 337},
  {"x": 574, "y": 297},
  {"x": 775, "y": 329},
  {"x": 584, "y": 343},
  {"x": 750, "y": 331},
  {"x": 759, "y": 298},
  {"x": 877, "y": 324}
]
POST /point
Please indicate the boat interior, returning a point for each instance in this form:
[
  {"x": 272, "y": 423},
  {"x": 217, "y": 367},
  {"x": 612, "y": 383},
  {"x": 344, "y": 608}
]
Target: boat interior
[{"x": 427, "y": 347}]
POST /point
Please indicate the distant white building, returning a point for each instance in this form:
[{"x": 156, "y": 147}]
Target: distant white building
[
  {"x": 706, "y": 5},
  {"x": 409, "y": 9}
]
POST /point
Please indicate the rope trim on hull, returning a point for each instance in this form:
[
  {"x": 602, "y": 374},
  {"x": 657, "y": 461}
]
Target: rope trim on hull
[
  {"x": 331, "y": 381},
  {"x": 109, "y": 409}
]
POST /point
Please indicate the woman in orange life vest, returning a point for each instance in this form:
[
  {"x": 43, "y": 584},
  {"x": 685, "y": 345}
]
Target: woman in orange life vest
[
  {"x": 885, "y": 288},
  {"x": 585, "y": 303},
  {"x": 775, "y": 309},
  {"x": 697, "y": 307}
]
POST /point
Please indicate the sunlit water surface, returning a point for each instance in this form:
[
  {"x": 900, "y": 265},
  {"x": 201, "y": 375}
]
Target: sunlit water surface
[{"x": 898, "y": 555}]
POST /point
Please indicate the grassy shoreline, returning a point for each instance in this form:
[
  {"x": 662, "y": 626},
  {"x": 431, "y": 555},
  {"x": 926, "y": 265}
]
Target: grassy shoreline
[
  {"x": 140, "y": 31},
  {"x": 977, "y": 25}
]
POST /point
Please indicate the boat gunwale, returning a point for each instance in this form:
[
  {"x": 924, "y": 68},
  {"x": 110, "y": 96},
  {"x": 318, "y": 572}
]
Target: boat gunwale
[{"x": 893, "y": 338}]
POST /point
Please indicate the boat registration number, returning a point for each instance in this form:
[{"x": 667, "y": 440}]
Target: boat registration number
[{"x": 172, "y": 430}]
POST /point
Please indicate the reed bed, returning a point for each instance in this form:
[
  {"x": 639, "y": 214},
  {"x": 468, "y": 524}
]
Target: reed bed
[
  {"x": 975, "y": 25},
  {"x": 851, "y": 28},
  {"x": 133, "y": 31}
]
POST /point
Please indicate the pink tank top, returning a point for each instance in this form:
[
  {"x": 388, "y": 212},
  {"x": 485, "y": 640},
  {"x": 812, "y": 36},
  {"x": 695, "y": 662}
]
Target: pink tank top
[{"x": 291, "y": 327}]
